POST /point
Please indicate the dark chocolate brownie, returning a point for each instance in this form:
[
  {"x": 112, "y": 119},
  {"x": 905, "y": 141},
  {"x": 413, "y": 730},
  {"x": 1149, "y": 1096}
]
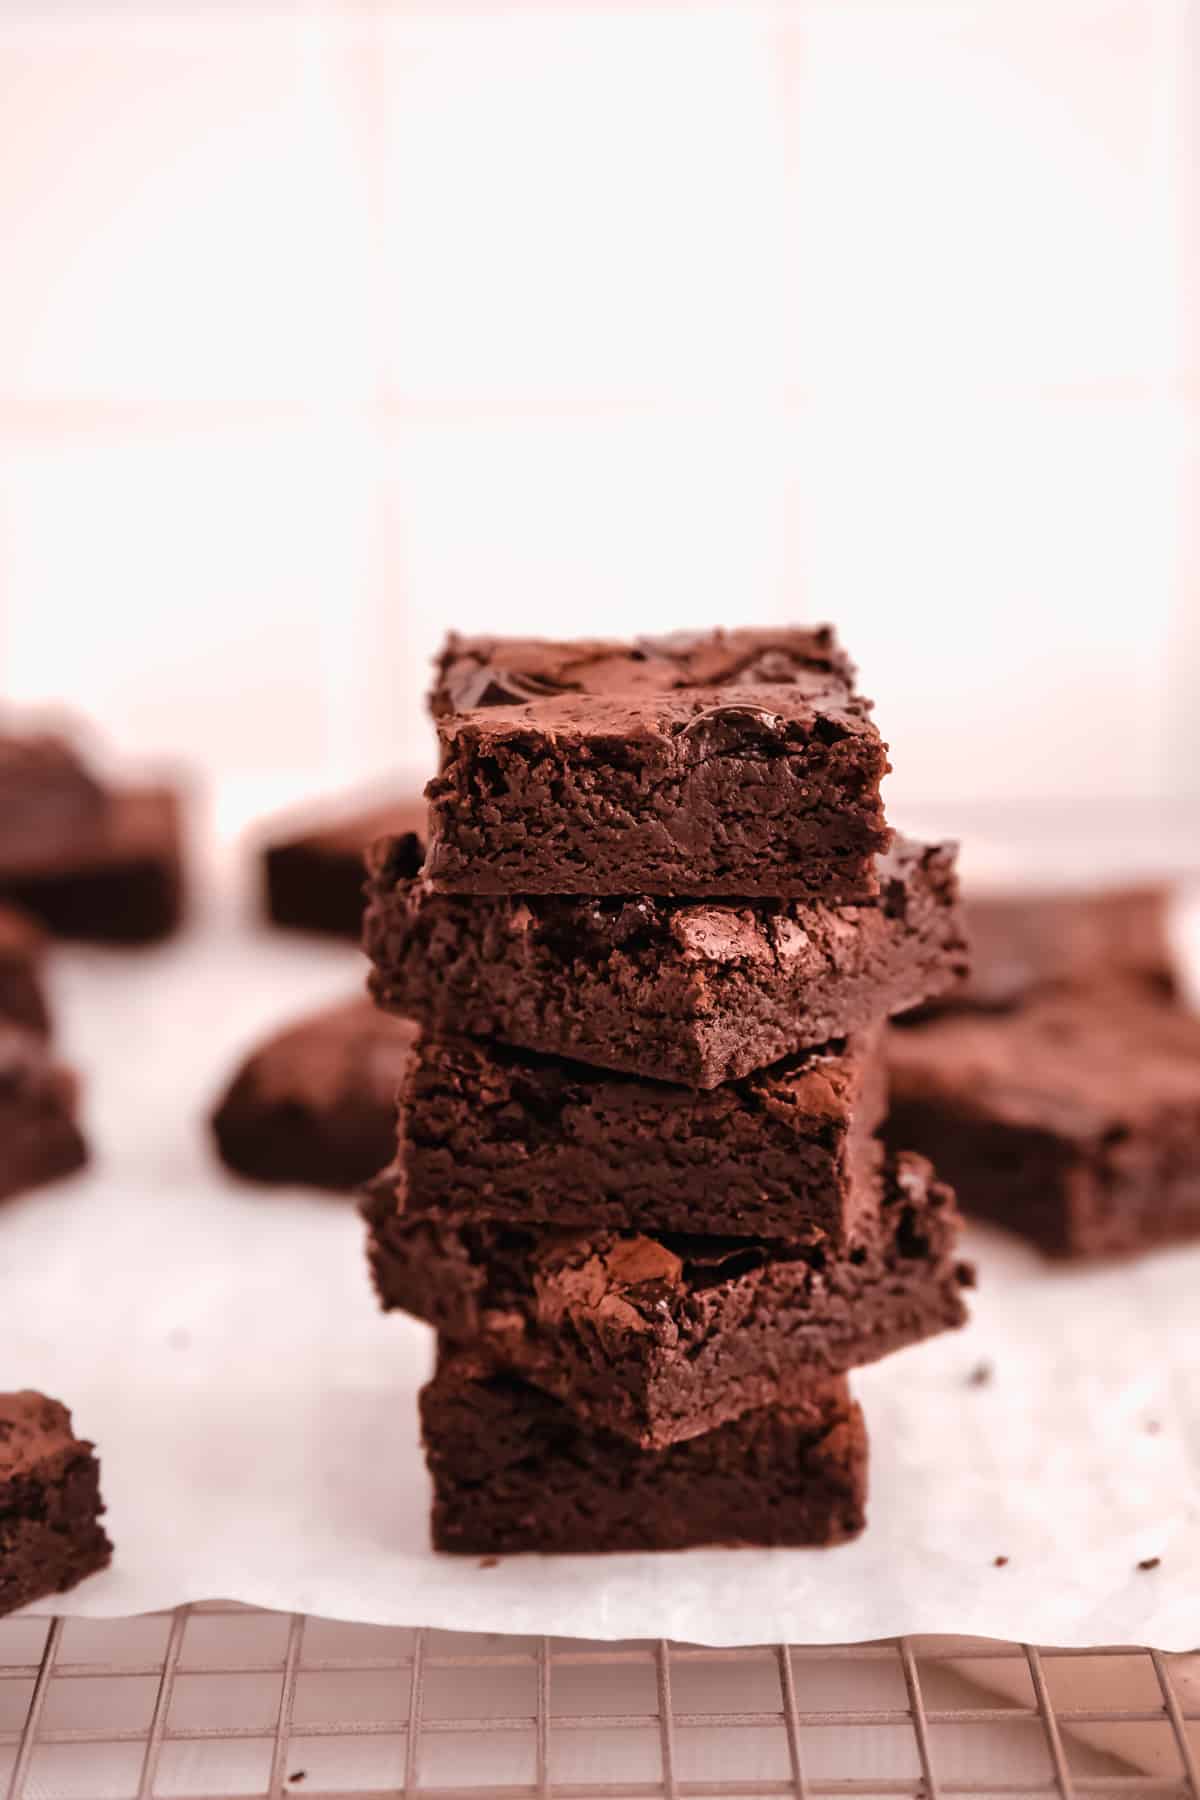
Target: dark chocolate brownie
[
  {"x": 1022, "y": 944},
  {"x": 39, "y": 1137},
  {"x": 677, "y": 990},
  {"x": 22, "y": 1001},
  {"x": 711, "y": 791},
  {"x": 316, "y": 1103},
  {"x": 492, "y": 1133},
  {"x": 663, "y": 1339},
  {"x": 49, "y": 801},
  {"x": 50, "y": 1507},
  {"x": 313, "y": 874},
  {"x": 122, "y": 883},
  {"x": 491, "y": 671},
  {"x": 514, "y": 1470},
  {"x": 1074, "y": 1121}
]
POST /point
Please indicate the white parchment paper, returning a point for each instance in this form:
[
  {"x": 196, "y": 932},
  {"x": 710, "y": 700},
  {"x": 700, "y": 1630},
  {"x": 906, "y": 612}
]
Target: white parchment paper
[{"x": 256, "y": 1415}]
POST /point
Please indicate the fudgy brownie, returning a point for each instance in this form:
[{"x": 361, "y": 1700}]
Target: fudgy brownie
[
  {"x": 313, "y": 874},
  {"x": 514, "y": 1470},
  {"x": 49, "y": 800},
  {"x": 316, "y": 1104},
  {"x": 719, "y": 790},
  {"x": 50, "y": 1507},
  {"x": 492, "y": 1133},
  {"x": 660, "y": 1339},
  {"x": 694, "y": 991},
  {"x": 1075, "y": 1121},
  {"x": 1025, "y": 943},
  {"x": 40, "y": 1139},
  {"x": 22, "y": 1001},
  {"x": 491, "y": 671},
  {"x": 120, "y": 883}
]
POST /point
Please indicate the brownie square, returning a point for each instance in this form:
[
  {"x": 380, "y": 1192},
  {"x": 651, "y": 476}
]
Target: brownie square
[
  {"x": 756, "y": 777},
  {"x": 661, "y": 1339},
  {"x": 514, "y": 1470},
  {"x": 22, "y": 1001},
  {"x": 121, "y": 882},
  {"x": 40, "y": 1139},
  {"x": 472, "y": 672},
  {"x": 492, "y": 1133},
  {"x": 1075, "y": 1121},
  {"x": 695, "y": 992},
  {"x": 49, "y": 800},
  {"x": 316, "y": 1103},
  {"x": 1025, "y": 944},
  {"x": 313, "y": 873},
  {"x": 50, "y": 1507}
]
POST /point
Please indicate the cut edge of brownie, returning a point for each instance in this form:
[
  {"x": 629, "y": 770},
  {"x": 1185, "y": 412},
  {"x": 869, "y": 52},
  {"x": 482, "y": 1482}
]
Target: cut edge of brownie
[{"x": 51, "y": 1537}]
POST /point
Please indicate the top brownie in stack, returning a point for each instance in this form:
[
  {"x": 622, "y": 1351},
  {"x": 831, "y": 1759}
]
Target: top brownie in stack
[{"x": 732, "y": 763}]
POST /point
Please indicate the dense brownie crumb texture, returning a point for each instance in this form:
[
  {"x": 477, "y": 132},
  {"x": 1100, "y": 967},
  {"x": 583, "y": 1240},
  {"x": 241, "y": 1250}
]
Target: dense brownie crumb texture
[
  {"x": 316, "y": 1103},
  {"x": 638, "y": 1187},
  {"x": 50, "y": 1507},
  {"x": 87, "y": 859}
]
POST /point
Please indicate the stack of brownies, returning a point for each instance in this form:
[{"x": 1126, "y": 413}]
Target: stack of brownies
[{"x": 638, "y": 1188}]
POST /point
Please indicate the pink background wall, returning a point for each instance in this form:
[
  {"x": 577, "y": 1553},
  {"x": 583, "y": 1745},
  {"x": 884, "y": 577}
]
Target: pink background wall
[{"x": 325, "y": 326}]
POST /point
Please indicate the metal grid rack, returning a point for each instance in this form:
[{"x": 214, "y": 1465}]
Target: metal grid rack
[{"x": 220, "y": 1700}]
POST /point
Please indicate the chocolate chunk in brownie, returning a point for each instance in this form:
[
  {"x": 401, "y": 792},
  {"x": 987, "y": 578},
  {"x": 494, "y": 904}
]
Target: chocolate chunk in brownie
[
  {"x": 122, "y": 884},
  {"x": 746, "y": 791},
  {"x": 492, "y": 1133},
  {"x": 22, "y": 999},
  {"x": 691, "y": 991},
  {"x": 40, "y": 1138},
  {"x": 316, "y": 1103},
  {"x": 313, "y": 872},
  {"x": 1074, "y": 1121},
  {"x": 514, "y": 1470},
  {"x": 661, "y": 1339},
  {"x": 489, "y": 671},
  {"x": 49, "y": 801},
  {"x": 50, "y": 1507}
]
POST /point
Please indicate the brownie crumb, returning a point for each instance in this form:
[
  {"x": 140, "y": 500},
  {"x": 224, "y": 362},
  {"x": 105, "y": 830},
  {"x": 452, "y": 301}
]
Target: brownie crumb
[
  {"x": 1152, "y": 1427},
  {"x": 489, "y": 1562},
  {"x": 299, "y": 1775},
  {"x": 999, "y": 1562},
  {"x": 1150, "y": 1562},
  {"x": 981, "y": 1375}
]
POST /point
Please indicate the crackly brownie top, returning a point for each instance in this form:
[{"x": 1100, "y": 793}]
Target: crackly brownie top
[
  {"x": 1078, "y": 1066},
  {"x": 33, "y": 1431},
  {"x": 683, "y": 727},
  {"x": 492, "y": 671},
  {"x": 784, "y": 936},
  {"x": 629, "y": 1280},
  {"x": 331, "y": 1054},
  {"x": 46, "y": 794}
]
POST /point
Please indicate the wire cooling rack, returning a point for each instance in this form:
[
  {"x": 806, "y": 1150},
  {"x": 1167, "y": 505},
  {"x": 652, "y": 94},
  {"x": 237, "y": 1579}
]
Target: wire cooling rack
[{"x": 214, "y": 1701}]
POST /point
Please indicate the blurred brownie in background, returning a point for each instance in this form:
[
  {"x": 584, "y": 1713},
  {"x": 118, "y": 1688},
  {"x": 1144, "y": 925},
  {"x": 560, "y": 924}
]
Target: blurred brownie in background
[
  {"x": 22, "y": 1001},
  {"x": 90, "y": 861},
  {"x": 316, "y": 1103},
  {"x": 1027, "y": 944},
  {"x": 40, "y": 1138},
  {"x": 50, "y": 1507},
  {"x": 1074, "y": 1121},
  {"x": 314, "y": 871}
]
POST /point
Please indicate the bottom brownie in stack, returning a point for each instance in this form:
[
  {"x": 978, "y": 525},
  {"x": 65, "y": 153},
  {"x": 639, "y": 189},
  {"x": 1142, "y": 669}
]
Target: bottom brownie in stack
[{"x": 514, "y": 1469}]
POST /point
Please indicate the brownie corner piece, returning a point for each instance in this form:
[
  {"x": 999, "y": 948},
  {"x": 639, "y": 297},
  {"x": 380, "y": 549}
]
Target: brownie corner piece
[
  {"x": 514, "y": 1471},
  {"x": 40, "y": 1139},
  {"x": 50, "y": 1507}
]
